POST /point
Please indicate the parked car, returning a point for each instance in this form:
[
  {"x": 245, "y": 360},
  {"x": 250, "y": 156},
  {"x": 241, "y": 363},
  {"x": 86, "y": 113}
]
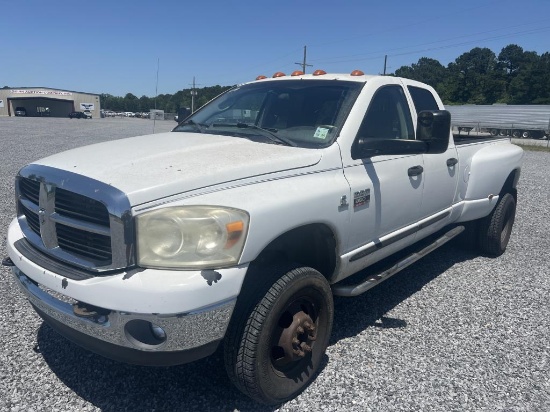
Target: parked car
[
  {"x": 87, "y": 114},
  {"x": 20, "y": 111},
  {"x": 78, "y": 115}
]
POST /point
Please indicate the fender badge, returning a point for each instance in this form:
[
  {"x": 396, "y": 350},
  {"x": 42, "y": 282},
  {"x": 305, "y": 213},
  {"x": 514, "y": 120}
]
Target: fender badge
[
  {"x": 361, "y": 197},
  {"x": 64, "y": 283}
]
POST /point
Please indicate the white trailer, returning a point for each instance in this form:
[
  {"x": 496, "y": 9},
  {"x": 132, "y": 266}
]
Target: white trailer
[{"x": 521, "y": 121}]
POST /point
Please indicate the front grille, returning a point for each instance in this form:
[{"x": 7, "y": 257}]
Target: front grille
[
  {"x": 73, "y": 223},
  {"x": 77, "y": 221}
]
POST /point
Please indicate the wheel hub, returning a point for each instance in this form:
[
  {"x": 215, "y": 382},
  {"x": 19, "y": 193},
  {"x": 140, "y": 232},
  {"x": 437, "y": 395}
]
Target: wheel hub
[{"x": 296, "y": 339}]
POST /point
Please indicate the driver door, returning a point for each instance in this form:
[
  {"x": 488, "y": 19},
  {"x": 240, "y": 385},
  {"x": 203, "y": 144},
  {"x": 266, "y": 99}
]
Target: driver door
[{"x": 386, "y": 190}]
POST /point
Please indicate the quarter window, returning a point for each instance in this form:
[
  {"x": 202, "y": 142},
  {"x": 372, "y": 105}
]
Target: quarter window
[{"x": 423, "y": 99}]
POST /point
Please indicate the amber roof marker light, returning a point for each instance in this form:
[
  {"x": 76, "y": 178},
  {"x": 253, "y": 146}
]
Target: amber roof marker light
[
  {"x": 261, "y": 77},
  {"x": 297, "y": 73},
  {"x": 279, "y": 74},
  {"x": 319, "y": 72},
  {"x": 357, "y": 73}
]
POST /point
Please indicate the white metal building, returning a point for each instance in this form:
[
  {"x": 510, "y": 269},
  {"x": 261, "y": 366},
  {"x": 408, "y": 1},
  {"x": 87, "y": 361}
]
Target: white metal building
[{"x": 43, "y": 101}]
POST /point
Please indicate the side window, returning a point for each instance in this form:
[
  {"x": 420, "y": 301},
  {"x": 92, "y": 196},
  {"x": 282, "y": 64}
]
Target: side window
[
  {"x": 388, "y": 116},
  {"x": 423, "y": 99}
]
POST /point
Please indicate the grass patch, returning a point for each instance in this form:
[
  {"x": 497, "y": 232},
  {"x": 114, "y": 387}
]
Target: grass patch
[{"x": 533, "y": 148}]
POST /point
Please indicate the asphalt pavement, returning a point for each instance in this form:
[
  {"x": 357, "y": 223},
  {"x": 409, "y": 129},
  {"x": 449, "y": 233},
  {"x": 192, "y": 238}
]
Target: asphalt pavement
[{"x": 453, "y": 332}]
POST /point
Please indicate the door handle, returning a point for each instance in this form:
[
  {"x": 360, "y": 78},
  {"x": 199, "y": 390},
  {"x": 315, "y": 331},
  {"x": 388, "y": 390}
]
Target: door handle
[
  {"x": 415, "y": 170},
  {"x": 451, "y": 162}
]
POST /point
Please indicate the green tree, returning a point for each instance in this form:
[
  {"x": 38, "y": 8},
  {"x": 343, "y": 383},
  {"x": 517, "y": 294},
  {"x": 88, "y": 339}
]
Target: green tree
[
  {"x": 145, "y": 104},
  {"x": 427, "y": 70},
  {"x": 526, "y": 86},
  {"x": 474, "y": 79}
]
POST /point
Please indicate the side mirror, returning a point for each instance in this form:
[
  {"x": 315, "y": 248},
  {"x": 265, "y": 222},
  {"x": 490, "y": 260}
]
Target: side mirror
[{"x": 434, "y": 128}]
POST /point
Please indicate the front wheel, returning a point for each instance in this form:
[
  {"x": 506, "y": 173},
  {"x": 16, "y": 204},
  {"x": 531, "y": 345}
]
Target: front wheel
[{"x": 279, "y": 333}]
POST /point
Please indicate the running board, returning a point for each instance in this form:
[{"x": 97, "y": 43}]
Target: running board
[{"x": 374, "y": 279}]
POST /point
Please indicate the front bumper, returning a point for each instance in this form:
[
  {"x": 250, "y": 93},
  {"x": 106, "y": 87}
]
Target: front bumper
[
  {"x": 128, "y": 337},
  {"x": 144, "y": 316}
]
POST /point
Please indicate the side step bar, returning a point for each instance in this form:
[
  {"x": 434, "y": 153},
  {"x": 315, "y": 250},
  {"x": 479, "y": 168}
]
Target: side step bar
[{"x": 376, "y": 278}]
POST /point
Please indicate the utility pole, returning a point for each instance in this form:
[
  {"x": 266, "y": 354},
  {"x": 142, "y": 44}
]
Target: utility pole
[
  {"x": 156, "y": 94},
  {"x": 157, "y": 83},
  {"x": 385, "y": 62},
  {"x": 303, "y": 64},
  {"x": 193, "y": 94}
]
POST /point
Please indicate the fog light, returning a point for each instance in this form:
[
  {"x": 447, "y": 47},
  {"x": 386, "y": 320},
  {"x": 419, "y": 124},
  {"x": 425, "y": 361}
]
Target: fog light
[{"x": 144, "y": 334}]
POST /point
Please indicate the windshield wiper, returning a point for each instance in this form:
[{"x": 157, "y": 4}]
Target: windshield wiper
[
  {"x": 267, "y": 133},
  {"x": 199, "y": 127}
]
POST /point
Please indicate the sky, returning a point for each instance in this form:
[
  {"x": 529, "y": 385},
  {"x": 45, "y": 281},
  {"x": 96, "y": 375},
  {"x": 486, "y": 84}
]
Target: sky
[{"x": 150, "y": 47}]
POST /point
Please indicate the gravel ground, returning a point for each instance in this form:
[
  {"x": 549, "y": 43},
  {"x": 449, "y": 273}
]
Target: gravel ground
[{"x": 453, "y": 332}]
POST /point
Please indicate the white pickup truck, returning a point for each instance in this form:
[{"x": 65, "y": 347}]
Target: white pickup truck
[{"x": 237, "y": 227}]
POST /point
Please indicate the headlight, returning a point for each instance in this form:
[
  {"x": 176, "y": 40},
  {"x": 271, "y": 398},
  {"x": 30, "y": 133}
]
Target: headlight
[{"x": 191, "y": 237}]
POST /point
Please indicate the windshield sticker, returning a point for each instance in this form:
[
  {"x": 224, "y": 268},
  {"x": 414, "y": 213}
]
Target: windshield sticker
[{"x": 321, "y": 133}]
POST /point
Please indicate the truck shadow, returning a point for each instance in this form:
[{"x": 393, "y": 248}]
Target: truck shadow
[
  {"x": 204, "y": 385},
  {"x": 112, "y": 386},
  {"x": 354, "y": 315}
]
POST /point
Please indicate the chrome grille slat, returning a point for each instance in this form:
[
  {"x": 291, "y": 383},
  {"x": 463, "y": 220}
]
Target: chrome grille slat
[{"x": 81, "y": 225}]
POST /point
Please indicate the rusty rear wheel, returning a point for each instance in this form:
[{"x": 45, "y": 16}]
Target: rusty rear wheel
[{"x": 495, "y": 229}]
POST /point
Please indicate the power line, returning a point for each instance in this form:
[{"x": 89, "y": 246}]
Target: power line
[
  {"x": 344, "y": 60},
  {"x": 416, "y": 23},
  {"x": 337, "y": 59}
]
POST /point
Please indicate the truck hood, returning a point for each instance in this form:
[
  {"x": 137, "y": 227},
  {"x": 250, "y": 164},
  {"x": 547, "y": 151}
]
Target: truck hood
[{"x": 151, "y": 167}]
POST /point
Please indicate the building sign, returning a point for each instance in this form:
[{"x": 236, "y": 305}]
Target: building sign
[
  {"x": 1, "y": 103},
  {"x": 87, "y": 106},
  {"x": 42, "y": 92}
]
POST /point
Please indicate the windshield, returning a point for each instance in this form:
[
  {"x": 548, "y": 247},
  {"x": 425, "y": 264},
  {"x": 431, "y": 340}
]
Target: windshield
[{"x": 305, "y": 113}]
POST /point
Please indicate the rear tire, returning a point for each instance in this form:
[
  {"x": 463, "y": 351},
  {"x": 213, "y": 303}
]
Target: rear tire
[
  {"x": 495, "y": 229},
  {"x": 279, "y": 332}
]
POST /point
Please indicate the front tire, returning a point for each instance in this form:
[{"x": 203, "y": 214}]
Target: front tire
[{"x": 278, "y": 336}]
